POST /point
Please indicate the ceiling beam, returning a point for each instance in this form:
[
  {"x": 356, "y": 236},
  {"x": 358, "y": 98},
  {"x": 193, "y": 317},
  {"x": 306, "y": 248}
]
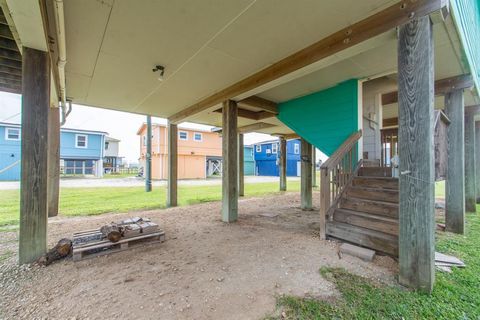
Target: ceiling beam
[
  {"x": 390, "y": 122},
  {"x": 383, "y": 21},
  {"x": 5, "y": 32},
  {"x": 10, "y": 63},
  {"x": 9, "y": 44},
  {"x": 252, "y": 115},
  {"x": 12, "y": 71},
  {"x": 9, "y": 76},
  {"x": 442, "y": 87},
  {"x": 288, "y": 136},
  {"x": 250, "y": 127},
  {"x": 260, "y": 103},
  {"x": 10, "y": 88},
  {"x": 9, "y": 54}
]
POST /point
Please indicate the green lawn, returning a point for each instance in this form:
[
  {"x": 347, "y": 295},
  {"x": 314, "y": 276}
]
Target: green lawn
[
  {"x": 455, "y": 296},
  {"x": 94, "y": 201}
]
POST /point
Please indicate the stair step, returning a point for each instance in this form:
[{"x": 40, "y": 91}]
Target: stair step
[
  {"x": 376, "y": 182},
  {"x": 386, "y": 209},
  {"x": 371, "y": 163},
  {"x": 367, "y": 220},
  {"x": 375, "y": 171},
  {"x": 375, "y": 240},
  {"x": 379, "y": 194}
]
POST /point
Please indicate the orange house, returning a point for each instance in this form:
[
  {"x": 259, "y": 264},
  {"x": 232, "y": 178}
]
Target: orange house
[{"x": 195, "y": 149}]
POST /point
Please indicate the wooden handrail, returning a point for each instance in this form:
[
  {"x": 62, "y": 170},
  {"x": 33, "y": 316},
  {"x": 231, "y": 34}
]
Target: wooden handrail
[{"x": 335, "y": 175}]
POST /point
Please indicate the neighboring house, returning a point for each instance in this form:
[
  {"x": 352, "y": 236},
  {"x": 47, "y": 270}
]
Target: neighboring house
[
  {"x": 267, "y": 156},
  {"x": 197, "y": 151},
  {"x": 81, "y": 151},
  {"x": 111, "y": 160},
  {"x": 248, "y": 161}
]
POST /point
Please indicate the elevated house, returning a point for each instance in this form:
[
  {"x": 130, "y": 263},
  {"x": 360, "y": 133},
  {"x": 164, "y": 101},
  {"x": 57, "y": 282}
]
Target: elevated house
[
  {"x": 81, "y": 151},
  {"x": 323, "y": 81},
  {"x": 267, "y": 158},
  {"x": 198, "y": 151},
  {"x": 111, "y": 159}
]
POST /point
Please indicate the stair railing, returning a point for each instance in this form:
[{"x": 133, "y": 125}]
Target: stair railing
[{"x": 335, "y": 175}]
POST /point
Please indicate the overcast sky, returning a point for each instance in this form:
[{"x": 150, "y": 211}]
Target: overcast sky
[{"x": 119, "y": 125}]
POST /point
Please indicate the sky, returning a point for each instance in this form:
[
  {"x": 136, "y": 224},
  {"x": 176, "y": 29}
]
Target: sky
[{"x": 119, "y": 125}]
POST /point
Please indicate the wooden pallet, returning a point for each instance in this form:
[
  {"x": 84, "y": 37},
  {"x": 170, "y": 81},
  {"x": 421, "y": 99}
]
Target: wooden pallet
[{"x": 102, "y": 247}]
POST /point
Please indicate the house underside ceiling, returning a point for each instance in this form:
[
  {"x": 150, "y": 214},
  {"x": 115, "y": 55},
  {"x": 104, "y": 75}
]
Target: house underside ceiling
[{"x": 206, "y": 46}]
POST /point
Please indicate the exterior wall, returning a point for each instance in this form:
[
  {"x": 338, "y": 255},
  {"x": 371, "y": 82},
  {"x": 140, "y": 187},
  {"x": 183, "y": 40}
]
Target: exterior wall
[
  {"x": 9, "y": 154},
  {"x": 113, "y": 148},
  {"x": 266, "y": 162},
  {"x": 191, "y": 154},
  {"x": 248, "y": 161},
  {"x": 68, "y": 150},
  {"x": 325, "y": 118}
]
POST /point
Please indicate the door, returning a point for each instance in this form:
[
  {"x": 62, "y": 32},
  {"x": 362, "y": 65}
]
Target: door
[{"x": 299, "y": 168}]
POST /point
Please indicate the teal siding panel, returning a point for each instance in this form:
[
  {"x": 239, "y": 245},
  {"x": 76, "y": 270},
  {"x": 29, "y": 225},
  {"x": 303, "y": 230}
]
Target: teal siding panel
[
  {"x": 325, "y": 118},
  {"x": 466, "y": 14},
  {"x": 249, "y": 168}
]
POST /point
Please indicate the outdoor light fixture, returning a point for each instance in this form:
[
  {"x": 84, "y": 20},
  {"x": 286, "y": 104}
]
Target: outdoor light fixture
[{"x": 160, "y": 70}]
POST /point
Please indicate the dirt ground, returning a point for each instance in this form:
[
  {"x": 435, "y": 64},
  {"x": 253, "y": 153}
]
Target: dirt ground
[{"x": 205, "y": 270}]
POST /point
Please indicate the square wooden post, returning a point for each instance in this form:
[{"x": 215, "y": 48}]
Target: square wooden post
[
  {"x": 306, "y": 175},
  {"x": 53, "y": 160},
  {"x": 34, "y": 177},
  {"x": 172, "y": 165},
  {"x": 314, "y": 167},
  {"x": 241, "y": 167},
  {"x": 455, "y": 182},
  {"x": 470, "y": 183},
  {"x": 283, "y": 164},
  {"x": 477, "y": 157},
  {"x": 416, "y": 151},
  {"x": 148, "y": 156},
  {"x": 230, "y": 162}
]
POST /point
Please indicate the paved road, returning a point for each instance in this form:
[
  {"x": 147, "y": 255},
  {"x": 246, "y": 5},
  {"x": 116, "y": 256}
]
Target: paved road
[{"x": 137, "y": 182}]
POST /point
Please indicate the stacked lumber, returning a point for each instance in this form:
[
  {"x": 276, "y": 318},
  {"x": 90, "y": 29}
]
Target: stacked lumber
[{"x": 445, "y": 262}]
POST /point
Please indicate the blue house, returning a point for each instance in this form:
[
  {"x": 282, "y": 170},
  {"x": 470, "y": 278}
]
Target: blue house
[
  {"x": 248, "y": 161},
  {"x": 267, "y": 156},
  {"x": 81, "y": 151}
]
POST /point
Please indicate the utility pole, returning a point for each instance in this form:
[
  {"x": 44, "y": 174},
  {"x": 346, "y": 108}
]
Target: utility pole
[{"x": 148, "y": 156}]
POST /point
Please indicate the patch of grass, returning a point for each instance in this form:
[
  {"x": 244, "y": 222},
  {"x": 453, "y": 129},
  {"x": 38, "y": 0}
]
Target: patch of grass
[
  {"x": 440, "y": 189},
  {"x": 455, "y": 296},
  {"x": 94, "y": 201}
]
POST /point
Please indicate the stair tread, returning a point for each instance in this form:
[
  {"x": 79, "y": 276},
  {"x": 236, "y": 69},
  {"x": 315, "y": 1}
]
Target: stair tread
[
  {"x": 393, "y": 204},
  {"x": 373, "y": 189},
  {"x": 368, "y": 215},
  {"x": 374, "y": 177},
  {"x": 377, "y": 233}
]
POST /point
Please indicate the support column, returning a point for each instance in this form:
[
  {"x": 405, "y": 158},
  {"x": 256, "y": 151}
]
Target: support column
[
  {"x": 416, "y": 151},
  {"x": 455, "y": 182},
  {"x": 230, "y": 164},
  {"x": 314, "y": 167},
  {"x": 34, "y": 185},
  {"x": 283, "y": 164},
  {"x": 306, "y": 175},
  {"x": 53, "y": 160},
  {"x": 470, "y": 185},
  {"x": 172, "y": 165},
  {"x": 241, "y": 166},
  {"x": 477, "y": 157},
  {"x": 148, "y": 156}
]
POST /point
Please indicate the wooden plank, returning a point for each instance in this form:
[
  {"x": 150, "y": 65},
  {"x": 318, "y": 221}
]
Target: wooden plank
[
  {"x": 283, "y": 164},
  {"x": 260, "y": 103},
  {"x": 8, "y": 76},
  {"x": 9, "y": 44},
  {"x": 374, "y": 182},
  {"x": 372, "y": 26},
  {"x": 386, "y": 195},
  {"x": 416, "y": 207},
  {"x": 241, "y": 173},
  {"x": 390, "y": 122},
  {"x": 470, "y": 183},
  {"x": 11, "y": 88},
  {"x": 386, "y": 209},
  {"x": 368, "y": 221},
  {"x": 375, "y": 171},
  {"x": 53, "y": 161},
  {"x": 11, "y": 55},
  {"x": 11, "y": 71},
  {"x": 148, "y": 156},
  {"x": 362, "y": 253},
  {"x": 10, "y": 63},
  {"x": 455, "y": 181},
  {"x": 230, "y": 164},
  {"x": 172, "y": 184},
  {"x": 252, "y": 115},
  {"x": 33, "y": 193},
  {"x": 255, "y": 127},
  {"x": 306, "y": 175}
]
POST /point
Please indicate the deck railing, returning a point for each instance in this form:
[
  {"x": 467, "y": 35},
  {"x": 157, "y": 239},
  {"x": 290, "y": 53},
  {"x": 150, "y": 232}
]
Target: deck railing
[{"x": 335, "y": 175}]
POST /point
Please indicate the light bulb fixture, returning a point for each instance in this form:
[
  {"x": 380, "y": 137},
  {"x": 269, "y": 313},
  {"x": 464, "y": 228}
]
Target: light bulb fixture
[{"x": 161, "y": 71}]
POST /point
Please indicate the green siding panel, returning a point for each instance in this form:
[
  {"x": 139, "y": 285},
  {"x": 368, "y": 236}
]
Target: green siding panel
[
  {"x": 249, "y": 168},
  {"x": 325, "y": 118},
  {"x": 466, "y": 14}
]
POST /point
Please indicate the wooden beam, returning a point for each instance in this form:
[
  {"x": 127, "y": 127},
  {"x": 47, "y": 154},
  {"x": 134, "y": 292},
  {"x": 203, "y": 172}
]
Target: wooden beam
[
  {"x": 306, "y": 175},
  {"x": 148, "y": 156},
  {"x": 314, "y": 167},
  {"x": 172, "y": 184},
  {"x": 241, "y": 167},
  {"x": 10, "y": 63},
  {"x": 11, "y": 82},
  {"x": 260, "y": 103},
  {"x": 11, "y": 71},
  {"x": 455, "y": 182},
  {"x": 8, "y": 76},
  {"x": 442, "y": 87},
  {"x": 230, "y": 162},
  {"x": 470, "y": 183},
  {"x": 385, "y": 20},
  {"x": 5, "y": 32},
  {"x": 252, "y": 115},
  {"x": 11, "y": 88},
  {"x": 33, "y": 193},
  {"x": 283, "y": 164},
  {"x": 390, "y": 122},
  {"x": 255, "y": 127},
  {"x": 9, "y": 54},
  {"x": 417, "y": 168},
  {"x": 9, "y": 44},
  {"x": 53, "y": 161}
]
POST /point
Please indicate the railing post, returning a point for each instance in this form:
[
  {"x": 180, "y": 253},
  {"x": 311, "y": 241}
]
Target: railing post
[{"x": 324, "y": 200}]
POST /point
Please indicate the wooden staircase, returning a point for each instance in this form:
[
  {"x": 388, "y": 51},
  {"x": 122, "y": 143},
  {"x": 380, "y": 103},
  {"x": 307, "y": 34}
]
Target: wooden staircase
[{"x": 366, "y": 213}]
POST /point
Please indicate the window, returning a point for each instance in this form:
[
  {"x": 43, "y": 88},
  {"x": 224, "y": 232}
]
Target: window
[
  {"x": 183, "y": 135},
  {"x": 81, "y": 141},
  {"x": 268, "y": 151},
  {"x": 12, "y": 134},
  {"x": 258, "y": 147},
  {"x": 296, "y": 148},
  {"x": 106, "y": 145},
  {"x": 274, "y": 148},
  {"x": 197, "y": 136}
]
